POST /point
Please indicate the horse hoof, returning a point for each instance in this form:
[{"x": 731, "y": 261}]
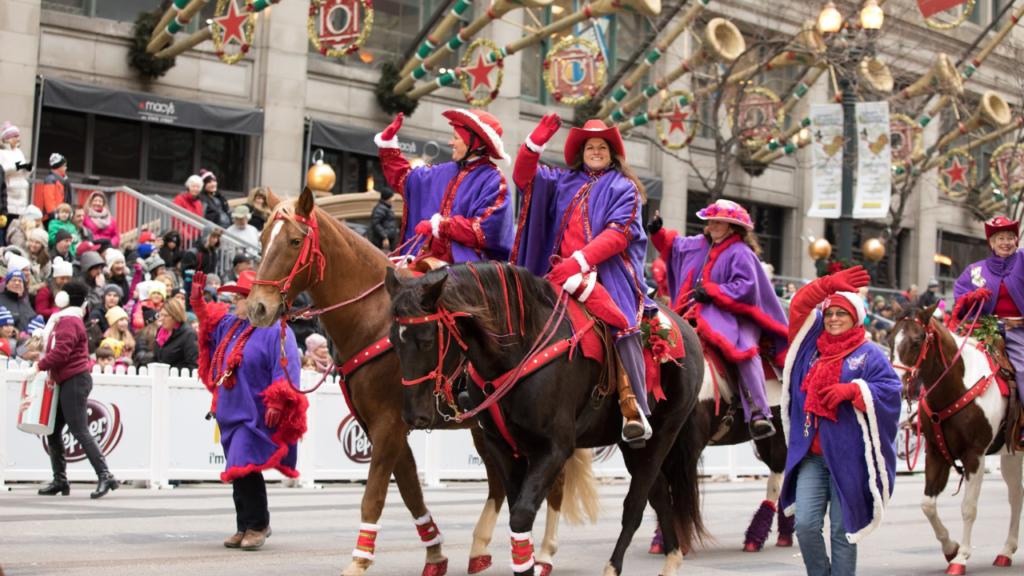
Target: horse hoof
[
  {"x": 658, "y": 548},
  {"x": 751, "y": 547},
  {"x": 545, "y": 569},
  {"x": 439, "y": 569},
  {"x": 479, "y": 564},
  {"x": 784, "y": 542},
  {"x": 1004, "y": 561},
  {"x": 956, "y": 569},
  {"x": 949, "y": 557}
]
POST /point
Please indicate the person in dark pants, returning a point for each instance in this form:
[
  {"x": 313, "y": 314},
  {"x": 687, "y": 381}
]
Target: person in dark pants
[
  {"x": 3, "y": 206},
  {"x": 382, "y": 222},
  {"x": 66, "y": 358}
]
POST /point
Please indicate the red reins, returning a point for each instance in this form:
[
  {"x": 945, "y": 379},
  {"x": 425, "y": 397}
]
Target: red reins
[{"x": 930, "y": 338}]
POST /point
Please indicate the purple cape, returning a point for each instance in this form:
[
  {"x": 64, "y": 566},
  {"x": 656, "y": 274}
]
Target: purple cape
[
  {"x": 614, "y": 202},
  {"x": 860, "y": 448},
  {"x": 481, "y": 193},
  {"x": 744, "y": 306},
  {"x": 241, "y": 410},
  {"x": 990, "y": 273}
]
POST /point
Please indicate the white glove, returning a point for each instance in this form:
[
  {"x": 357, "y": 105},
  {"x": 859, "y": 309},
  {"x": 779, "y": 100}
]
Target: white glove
[{"x": 32, "y": 371}]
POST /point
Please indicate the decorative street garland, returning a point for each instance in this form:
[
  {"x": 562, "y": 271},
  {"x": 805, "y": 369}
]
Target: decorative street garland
[
  {"x": 767, "y": 129},
  {"x": 1016, "y": 152},
  {"x": 216, "y": 32},
  {"x": 351, "y": 47},
  {"x": 903, "y": 124},
  {"x": 600, "y": 70},
  {"x": 967, "y": 173},
  {"x": 464, "y": 76},
  {"x": 950, "y": 25},
  {"x": 666, "y": 111}
]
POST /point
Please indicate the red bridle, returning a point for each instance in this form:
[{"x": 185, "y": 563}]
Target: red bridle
[
  {"x": 931, "y": 340},
  {"x": 310, "y": 258},
  {"x": 444, "y": 319}
]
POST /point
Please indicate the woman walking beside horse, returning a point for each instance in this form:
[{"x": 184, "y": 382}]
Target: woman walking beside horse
[
  {"x": 460, "y": 207},
  {"x": 589, "y": 217},
  {"x": 840, "y": 408}
]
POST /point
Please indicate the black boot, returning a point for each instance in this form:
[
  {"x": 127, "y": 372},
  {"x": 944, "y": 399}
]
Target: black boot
[
  {"x": 761, "y": 428},
  {"x": 60, "y": 479},
  {"x": 106, "y": 484}
]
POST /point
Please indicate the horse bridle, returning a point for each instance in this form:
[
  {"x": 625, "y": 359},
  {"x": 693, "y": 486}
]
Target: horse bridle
[
  {"x": 931, "y": 340},
  {"x": 442, "y": 381}
]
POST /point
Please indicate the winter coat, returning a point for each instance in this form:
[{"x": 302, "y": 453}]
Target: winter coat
[
  {"x": 249, "y": 235},
  {"x": 66, "y": 345},
  {"x": 16, "y": 178},
  {"x": 60, "y": 193},
  {"x": 109, "y": 232},
  {"x": 201, "y": 257},
  {"x": 171, "y": 257},
  {"x": 16, "y": 236},
  {"x": 181, "y": 350},
  {"x": 383, "y": 226},
  {"x": 256, "y": 220},
  {"x": 3, "y": 190},
  {"x": 145, "y": 344},
  {"x": 55, "y": 226},
  {"x": 190, "y": 203},
  {"x": 20, "y": 308},
  {"x": 215, "y": 208},
  {"x": 46, "y": 304}
]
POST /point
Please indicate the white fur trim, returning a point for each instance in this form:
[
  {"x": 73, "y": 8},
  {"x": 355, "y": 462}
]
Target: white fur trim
[
  {"x": 533, "y": 147},
  {"x": 787, "y": 370},
  {"x": 591, "y": 281},
  {"x": 381, "y": 143},
  {"x": 61, "y": 299},
  {"x": 874, "y": 459},
  {"x": 579, "y": 257},
  {"x": 572, "y": 283},
  {"x": 489, "y": 132},
  {"x": 522, "y": 536},
  {"x": 435, "y": 225},
  {"x": 858, "y": 304},
  {"x": 357, "y": 553},
  {"x": 421, "y": 521},
  {"x": 426, "y": 520}
]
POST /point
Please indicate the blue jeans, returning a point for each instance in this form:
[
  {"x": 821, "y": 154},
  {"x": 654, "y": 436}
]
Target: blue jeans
[{"x": 816, "y": 492}]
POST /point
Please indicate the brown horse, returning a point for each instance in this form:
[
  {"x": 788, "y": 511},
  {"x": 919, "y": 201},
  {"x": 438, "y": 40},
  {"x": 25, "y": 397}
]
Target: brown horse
[
  {"x": 354, "y": 272},
  {"x": 970, "y": 424}
]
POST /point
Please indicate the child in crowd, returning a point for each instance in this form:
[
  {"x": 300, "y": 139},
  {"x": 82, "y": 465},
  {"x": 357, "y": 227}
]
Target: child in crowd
[
  {"x": 308, "y": 363},
  {"x": 152, "y": 294},
  {"x": 8, "y": 333},
  {"x": 104, "y": 358},
  {"x": 63, "y": 222},
  {"x": 117, "y": 318},
  {"x": 316, "y": 348}
]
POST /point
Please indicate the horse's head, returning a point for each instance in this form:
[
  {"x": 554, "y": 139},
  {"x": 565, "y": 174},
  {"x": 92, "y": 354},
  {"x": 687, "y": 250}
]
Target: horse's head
[
  {"x": 290, "y": 262},
  {"x": 914, "y": 343}
]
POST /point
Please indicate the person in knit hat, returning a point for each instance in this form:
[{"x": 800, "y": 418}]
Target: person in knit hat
[
  {"x": 215, "y": 205},
  {"x": 116, "y": 273},
  {"x": 841, "y": 407},
  {"x": 454, "y": 223},
  {"x": 99, "y": 220},
  {"x": 154, "y": 265},
  {"x": 16, "y": 169},
  {"x": 152, "y": 294},
  {"x": 112, "y": 297},
  {"x": 15, "y": 297},
  {"x": 62, "y": 242},
  {"x": 144, "y": 250},
  {"x": 18, "y": 232},
  {"x": 119, "y": 331},
  {"x": 37, "y": 323},
  {"x": 8, "y": 332},
  {"x": 46, "y": 303},
  {"x": 316, "y": 348},
  {"x": 39, "y": 255},
  {"x": 56, "y": 187}
]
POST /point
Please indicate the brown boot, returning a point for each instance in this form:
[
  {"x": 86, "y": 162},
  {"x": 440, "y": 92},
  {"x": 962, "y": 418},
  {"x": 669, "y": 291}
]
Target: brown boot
[
  {"x": 633, "y": 430},
  {"x": 255, "y": 538},
  {"x": 235, "y": 541}
]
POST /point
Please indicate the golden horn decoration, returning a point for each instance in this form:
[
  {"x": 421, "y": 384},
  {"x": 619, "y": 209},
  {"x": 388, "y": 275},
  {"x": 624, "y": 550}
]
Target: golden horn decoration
[
  {"x": 187, "y": 44},
  {"x": 723, "y": 42},
  {"x": 434, "y": 38},
  {"x": 973, "y": 144},
  {"x": 876, "y": 73},
  {"x": 162, "y": 37},
  {"x": 942, "y": 77},
  {"x": 800, "y": 52},
  {"x": 809, "y": 79},
  {"x": 993, "y": 111},
  {"x": 800, "y": 141}
]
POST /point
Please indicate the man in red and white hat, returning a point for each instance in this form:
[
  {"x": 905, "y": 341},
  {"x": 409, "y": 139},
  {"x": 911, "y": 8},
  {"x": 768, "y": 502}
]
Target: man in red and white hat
[
  {"x": 459, "y": 211},
  {"x": 997, "y": 283}
]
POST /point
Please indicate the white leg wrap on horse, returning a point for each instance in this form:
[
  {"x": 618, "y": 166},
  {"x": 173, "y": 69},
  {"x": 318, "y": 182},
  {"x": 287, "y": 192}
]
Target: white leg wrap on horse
[
  {"x": 522, "y": 551},
  {"x": 673, "y": 562},
  {"x": 428, "y": 531},
  {"x": 366, "y": 544}
]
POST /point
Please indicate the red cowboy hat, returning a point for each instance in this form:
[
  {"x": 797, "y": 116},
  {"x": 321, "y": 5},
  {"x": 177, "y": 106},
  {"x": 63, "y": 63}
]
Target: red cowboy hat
[
  {"x": 593, "y": 129},
  {"x": 243, "y": 286},
  {"x": 1001, "y": 224},
  {"x": 484, "y": 125}
]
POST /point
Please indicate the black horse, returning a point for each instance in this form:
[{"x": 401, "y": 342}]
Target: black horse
[{"x": 498, "y": 313}]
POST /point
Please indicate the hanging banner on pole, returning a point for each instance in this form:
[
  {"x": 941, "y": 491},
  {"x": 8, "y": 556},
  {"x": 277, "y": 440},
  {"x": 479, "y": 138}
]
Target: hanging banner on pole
[
  {"x": 930, "y": 8},
  {"x": 827, "y": 160},
  {"x": 874, "y": 161}
]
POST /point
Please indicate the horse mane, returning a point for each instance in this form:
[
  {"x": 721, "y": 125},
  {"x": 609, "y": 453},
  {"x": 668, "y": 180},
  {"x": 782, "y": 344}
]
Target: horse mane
[
  {"x": 910, "y": 309},
  {"x": 508, "y": 303}
]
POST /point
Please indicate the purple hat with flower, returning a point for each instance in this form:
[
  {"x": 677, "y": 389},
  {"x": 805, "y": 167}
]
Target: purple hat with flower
[{"x": 727, "y": 211}]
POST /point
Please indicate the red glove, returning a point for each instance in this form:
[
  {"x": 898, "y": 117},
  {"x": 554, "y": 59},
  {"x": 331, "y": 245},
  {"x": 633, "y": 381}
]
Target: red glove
[
  {"x": 981, "y": 295},
  {"x": 273, "y": 416},
  {"x": 568, "y": 267},
  {"x": 424, "y": 228},
  {"x": 198, "y": 283},
  {"x": 547, "y": 128},
  {"x": 833, "y": 395},
  {"x": 392, "y": 130},
  {"x": 849, "y": 280}
]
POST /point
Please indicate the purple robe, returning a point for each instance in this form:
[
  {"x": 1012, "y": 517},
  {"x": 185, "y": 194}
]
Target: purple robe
[
  {"x": 481, "y": 192},
  {"x": 990, "y": 273},
  {"x": 744, "y": 306},
  {"x": 860, "y": 447},
  {"x": 613, "y": 202},
  {"x": 241, "y": 414}
]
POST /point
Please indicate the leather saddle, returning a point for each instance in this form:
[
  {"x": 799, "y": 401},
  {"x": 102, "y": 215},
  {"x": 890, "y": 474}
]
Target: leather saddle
[{"x": 1015, "y": 413}]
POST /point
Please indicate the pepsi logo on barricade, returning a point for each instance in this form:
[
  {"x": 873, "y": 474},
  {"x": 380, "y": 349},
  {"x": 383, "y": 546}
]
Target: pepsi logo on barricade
[
  {"x": 104, "y": 425},
  {"x": 354, "y": 440}
]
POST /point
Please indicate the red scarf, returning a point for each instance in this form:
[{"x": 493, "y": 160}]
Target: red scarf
[
  {"x": 828, "y": 370},
  {"x": 234, "y": 360}
]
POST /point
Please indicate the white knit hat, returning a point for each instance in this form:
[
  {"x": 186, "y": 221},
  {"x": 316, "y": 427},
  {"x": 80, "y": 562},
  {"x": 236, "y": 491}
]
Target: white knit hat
[
  {"x": 62, "y": 267},
  {"x": 113, "y": 255},
  {"x": 855, "y": 300},
  {"x": 15, "y": 262},
  {"x": 9, "y": 130}
]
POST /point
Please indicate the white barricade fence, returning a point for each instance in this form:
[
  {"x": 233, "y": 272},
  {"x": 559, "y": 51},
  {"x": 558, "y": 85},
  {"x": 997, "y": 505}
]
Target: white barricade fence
[{"x": 151, "y": 425}]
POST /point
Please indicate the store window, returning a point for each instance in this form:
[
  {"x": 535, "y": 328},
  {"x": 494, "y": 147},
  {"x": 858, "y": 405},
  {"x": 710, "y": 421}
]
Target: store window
[
  {"x": 171, "y": 154},
  {"x": 118, "y": 151},
  {"x": 219, "y": 153},
  {"x": 355, "y": 172},
  {"x": 65, "y": 133}
]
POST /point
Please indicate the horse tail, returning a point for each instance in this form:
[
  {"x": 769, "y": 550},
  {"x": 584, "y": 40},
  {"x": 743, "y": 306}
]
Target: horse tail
[
  {"x": 580, "y": 500},
  {"x": 682, "y": 468}
]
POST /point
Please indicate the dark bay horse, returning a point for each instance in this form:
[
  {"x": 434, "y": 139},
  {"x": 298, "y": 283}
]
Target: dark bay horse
[
  {"x": 920, "y": 347},
  {"x": 499, "y": 312},
  {"x": 353, "y": 272}
]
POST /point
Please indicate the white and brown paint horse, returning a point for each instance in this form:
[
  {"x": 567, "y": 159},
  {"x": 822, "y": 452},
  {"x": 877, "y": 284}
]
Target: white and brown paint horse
[{"x": 970, "y": 426}]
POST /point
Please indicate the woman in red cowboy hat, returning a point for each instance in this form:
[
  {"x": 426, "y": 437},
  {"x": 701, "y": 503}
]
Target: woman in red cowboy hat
[
  {"x": 998, "y": 284},
  {"x": 260, "y": 416},
  {"x": 589, "y": 215},
  {"x": 716, "y": 279},
  {"x": 459, "y": 210}
]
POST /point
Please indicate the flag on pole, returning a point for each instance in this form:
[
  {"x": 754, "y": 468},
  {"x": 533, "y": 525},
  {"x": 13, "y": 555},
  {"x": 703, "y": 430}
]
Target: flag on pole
[{"x": 930, "y": 8}]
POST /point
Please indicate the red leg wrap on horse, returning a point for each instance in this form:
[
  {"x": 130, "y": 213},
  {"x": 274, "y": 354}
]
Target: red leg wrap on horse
[
  {"x": 366, "y": 544},
  {"x": 428, "y": 531},
  {"x": 522, "y": 551}
]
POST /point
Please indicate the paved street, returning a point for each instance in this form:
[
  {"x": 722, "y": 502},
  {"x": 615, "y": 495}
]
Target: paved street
[{"x": 179, "y": 531}]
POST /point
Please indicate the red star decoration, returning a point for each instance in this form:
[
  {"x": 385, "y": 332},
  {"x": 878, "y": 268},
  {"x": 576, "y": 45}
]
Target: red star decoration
[
  {"x": 956, "y": 173},
  {"x": 480, "y": 73},
  {"x": 675, "y": 121},
  {"x": 231, "y": 24}
]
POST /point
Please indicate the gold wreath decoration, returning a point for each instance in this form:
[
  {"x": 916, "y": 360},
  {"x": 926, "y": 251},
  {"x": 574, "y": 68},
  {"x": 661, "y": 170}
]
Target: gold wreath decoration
[
  {"x": 467, "y": 59},
  {"x": 917, "y": 143},
  {"x": 950, "y": 25},
  {"x": 250, "y": 32},
  {"x": 600, "y": 70},
  {"x": 352, "y": 47},
  {"x": 973, "y": 173},
  {"x": 780, "y": 116},
  {"x": 666, "y": 107},
  {"x": 994, "y": 171}
]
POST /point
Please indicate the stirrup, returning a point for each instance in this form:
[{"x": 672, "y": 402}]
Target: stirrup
[{"x": 761, "y": 428}]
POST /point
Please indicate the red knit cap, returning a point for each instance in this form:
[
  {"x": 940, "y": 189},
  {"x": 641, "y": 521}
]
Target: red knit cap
[{"x": 846, "y": 301}]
